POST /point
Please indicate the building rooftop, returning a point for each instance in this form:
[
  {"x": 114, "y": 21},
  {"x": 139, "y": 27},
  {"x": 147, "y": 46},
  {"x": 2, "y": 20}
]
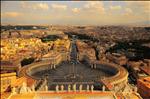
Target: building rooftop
[
  {"x": 5, "y": 74},
  {"x": 145, "y": 81},
  {"x": 54, "y": 32},
  {"x": 146, "y": 69}
]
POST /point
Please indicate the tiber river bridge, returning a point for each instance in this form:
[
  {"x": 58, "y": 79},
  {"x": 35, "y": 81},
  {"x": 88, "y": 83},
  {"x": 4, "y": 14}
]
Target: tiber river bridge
[{"x": 74, "y": 73}]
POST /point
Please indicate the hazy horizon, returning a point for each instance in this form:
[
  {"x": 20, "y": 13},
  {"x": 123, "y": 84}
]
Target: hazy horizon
[{"x": 76, "y": 12}]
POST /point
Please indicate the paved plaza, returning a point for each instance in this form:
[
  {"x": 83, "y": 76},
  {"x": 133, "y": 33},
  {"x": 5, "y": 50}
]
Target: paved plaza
[{"x": 63, "y": 74}]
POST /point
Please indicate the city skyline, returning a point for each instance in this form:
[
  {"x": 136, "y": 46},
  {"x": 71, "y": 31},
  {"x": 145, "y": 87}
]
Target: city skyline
[{"x": 76, "y": 12}]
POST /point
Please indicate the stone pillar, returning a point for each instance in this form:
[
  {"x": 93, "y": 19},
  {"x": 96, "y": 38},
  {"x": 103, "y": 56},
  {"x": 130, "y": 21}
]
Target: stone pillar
[
  {"x": 135, "y": 89},
  {"x": 54, "y": 66},
  {"x": 13, "y": 91},
  {"x": 87, "y": 88},
  {"x": 103, "y": 88},
  {"x": 29, "y": 90},
  {"x": 74, "y": 87},
  {"x": 33, "y": 88},
  {"x": 92, "y": 88},
  {"x": 62, "y": 88},
  {"x": 80, "y": 88},
  {"x": 23, "y": 88},
  {"x": 95, "y": 66},
  {"x": 57, "y": 88},
  {"x": 69, "y": 88},
  {"x": 46, "y": 88},
  {"x": 92, "y": 66}
]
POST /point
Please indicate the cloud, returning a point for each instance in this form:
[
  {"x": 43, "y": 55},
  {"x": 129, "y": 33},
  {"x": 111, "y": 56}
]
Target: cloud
[
  {"x": 35, "y": 6},
  {"x": 94, "y": 6},
  {"x": 143, "y": 6},
  {"x": 128, "y": 10},
  {"x": 11, "y": 14},
  {"x": 99, "y": 12},
  {"x": 59, "y": 6},
  {"x": 43, "y": 6},
  {"x": 115, "y": 7},
  {"x": 76, "y": 10}
]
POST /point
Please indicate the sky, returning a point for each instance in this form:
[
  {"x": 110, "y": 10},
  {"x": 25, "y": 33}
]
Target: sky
[{"x": 75, "y": 12}]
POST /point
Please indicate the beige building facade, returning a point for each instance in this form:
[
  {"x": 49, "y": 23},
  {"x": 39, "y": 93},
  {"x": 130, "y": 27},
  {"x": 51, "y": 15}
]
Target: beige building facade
[{"x": 7, "y": 79}]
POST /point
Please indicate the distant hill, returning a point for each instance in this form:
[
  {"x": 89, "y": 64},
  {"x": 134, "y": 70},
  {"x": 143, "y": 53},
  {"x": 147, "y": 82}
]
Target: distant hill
[{"x": 140, "y": 23}]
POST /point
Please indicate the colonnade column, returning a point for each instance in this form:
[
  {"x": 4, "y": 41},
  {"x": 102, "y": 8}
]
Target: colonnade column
[
  {"x": 93, "y": 66},
  {"x": 89, "y": 88}
]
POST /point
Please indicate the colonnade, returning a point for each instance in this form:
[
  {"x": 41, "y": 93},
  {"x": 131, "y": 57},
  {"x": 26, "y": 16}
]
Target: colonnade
[{"x": 73, "y": 88}]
